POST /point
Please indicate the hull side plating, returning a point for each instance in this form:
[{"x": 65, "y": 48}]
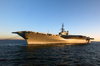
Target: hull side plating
[{"x": 36, "y": 38}]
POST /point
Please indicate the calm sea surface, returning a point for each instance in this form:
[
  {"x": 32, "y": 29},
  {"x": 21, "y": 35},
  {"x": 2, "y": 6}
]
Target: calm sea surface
[{"x": 18, "y": 53}]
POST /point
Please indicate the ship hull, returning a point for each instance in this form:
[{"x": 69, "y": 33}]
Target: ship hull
[{"x": 40, "y": 38}]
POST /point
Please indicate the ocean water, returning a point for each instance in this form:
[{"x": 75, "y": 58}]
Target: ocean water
[{"x": 18, "y": 53}]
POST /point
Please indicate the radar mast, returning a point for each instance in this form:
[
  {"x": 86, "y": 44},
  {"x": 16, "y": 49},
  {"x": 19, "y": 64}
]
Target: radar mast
[{"x": 62, "y": 27}]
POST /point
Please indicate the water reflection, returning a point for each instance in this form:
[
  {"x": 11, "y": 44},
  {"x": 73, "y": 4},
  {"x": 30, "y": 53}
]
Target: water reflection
[
  {"x": 20, "y": 54},
  {"x": 57, "y": 54},
  {"x": 32, "y": 46}
]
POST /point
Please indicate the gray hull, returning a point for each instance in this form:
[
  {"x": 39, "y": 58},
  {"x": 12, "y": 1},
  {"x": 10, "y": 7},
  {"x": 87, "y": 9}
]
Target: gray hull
[{"x": 41, "y": 38}]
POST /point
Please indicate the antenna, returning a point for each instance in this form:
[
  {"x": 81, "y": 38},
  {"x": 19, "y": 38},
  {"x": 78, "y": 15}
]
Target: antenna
[
  {"x": 62, "y": 27},
  {"x": 48, "y": 31}
]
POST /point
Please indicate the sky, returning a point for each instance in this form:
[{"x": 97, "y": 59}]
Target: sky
[{"x": 80, "y": 17}]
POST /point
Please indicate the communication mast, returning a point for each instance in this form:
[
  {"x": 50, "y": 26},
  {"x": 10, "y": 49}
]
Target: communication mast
[{"x": 62, "y": 27}]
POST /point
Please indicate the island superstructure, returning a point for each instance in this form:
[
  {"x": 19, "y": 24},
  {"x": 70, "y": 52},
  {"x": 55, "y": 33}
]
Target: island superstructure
[{"x": 46, "y": 38}]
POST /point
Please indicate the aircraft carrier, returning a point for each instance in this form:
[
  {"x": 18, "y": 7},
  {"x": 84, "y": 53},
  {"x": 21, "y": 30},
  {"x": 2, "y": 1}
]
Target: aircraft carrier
[{"x": 46, "y": 38}]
